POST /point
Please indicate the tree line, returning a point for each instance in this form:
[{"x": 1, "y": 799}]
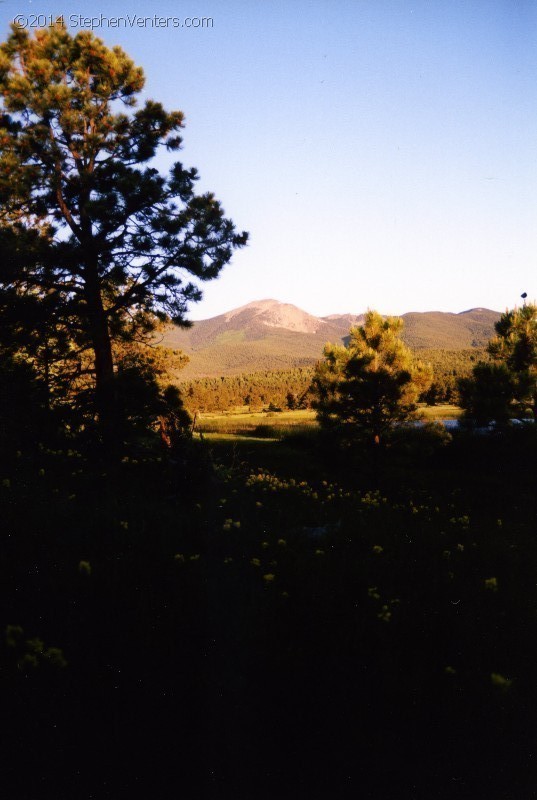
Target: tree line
[
  {"x": 291, "y": 389},
  {"x": 368, "y": 387},
  {"x": 286, "y": 389}
]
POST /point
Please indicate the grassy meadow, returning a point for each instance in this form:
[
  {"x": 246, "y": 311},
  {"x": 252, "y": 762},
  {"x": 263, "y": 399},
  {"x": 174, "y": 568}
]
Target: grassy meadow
[
  {"x": 279, "y": 424},
  {"x": 264, "y": 425}
]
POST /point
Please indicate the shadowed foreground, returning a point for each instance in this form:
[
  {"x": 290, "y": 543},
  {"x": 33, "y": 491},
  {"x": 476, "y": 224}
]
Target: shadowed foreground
[{"x": 272, "y": 626}]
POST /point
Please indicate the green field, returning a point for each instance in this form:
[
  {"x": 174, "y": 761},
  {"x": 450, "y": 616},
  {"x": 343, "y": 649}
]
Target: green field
[
  {"x": 277, "y": 425},
  {"x": 440, "y": 412},
  {"x": 270, "y": 424}
]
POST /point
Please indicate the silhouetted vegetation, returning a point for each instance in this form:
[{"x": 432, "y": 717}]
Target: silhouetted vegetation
[
  {"x": 269, "y": 619},
  {"x": 98, "y": 247}
]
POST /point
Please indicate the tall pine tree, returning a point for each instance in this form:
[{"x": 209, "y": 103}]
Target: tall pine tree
[{"x": 84, "y": 217}]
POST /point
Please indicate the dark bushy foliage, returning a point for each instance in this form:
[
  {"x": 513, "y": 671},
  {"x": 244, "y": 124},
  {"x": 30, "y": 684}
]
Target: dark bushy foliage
[
  {"x": 488, "y": 394},
  {"x": 24, "y": 416}
]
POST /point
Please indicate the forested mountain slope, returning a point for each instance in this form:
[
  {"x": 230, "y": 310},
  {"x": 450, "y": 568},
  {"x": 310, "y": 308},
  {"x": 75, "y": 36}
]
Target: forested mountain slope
[{"x": 269, "y": 335}]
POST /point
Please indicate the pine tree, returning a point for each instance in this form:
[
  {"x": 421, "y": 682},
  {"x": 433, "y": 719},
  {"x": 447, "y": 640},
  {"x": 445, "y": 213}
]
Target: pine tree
[
  {"x": 495, "y": 390},
  {"x": 84, "y": 216},
  {"x": 488, "y": 394},
  {"x": 371, "y": 384}
]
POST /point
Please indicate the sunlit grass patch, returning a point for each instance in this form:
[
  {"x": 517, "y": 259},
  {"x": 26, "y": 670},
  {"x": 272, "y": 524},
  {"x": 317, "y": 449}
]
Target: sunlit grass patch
[
  {"x": 439, "y": 412},
  {"x": 269, "y": 424}
]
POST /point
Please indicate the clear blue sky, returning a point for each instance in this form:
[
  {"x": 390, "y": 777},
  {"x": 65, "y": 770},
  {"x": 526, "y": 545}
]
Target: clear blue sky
[{"x": 382, "y": 154}]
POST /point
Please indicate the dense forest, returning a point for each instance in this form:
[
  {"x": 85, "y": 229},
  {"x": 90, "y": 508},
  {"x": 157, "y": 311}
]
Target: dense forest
[
  {"x": 290, "y": 389},
  {"x": 285, "y": 389}
]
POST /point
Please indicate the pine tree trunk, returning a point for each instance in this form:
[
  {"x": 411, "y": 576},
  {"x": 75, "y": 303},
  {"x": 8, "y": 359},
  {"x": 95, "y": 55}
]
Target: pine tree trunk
[{"x": 105, "y": 383}]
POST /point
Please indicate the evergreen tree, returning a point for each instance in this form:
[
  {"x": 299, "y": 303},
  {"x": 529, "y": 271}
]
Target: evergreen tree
[
  {"x": 516, "y": 346},
  {"x": 371, "y": 384},
  {"x": 509, "y": 384},
  {"x": 84, "y": 217},
  {"x": 488, "y": 394}
]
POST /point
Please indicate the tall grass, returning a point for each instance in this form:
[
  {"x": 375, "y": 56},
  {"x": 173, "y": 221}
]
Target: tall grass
[
  {"x": 271, "y": 425},
  {"x": 288, "y": 424}
]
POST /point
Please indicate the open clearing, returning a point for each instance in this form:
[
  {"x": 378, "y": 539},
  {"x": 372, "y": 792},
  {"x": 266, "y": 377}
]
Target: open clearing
[{"x": 277, "y": 424}]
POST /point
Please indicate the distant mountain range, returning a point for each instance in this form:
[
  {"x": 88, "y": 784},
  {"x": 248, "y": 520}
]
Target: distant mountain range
[{"x": 269, "y": 335}]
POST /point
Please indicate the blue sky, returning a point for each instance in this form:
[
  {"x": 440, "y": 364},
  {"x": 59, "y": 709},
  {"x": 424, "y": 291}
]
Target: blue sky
[{"x": 381, "y": 154}]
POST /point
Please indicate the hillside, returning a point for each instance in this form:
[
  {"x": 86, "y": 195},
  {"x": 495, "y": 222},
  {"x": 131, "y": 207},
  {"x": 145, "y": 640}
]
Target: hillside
[
  {"x": 269, "y": 335},
  {"x": 436, "y": 329}
]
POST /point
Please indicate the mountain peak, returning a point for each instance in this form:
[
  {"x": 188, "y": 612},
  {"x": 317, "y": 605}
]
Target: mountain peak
[
  {"x": 253, "y": 304},
  {"x": 274, "y": 314}
]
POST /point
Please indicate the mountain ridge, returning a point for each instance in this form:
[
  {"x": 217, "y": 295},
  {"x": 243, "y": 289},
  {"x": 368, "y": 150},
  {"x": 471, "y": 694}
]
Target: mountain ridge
[{"x": 272, "y": 335}]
